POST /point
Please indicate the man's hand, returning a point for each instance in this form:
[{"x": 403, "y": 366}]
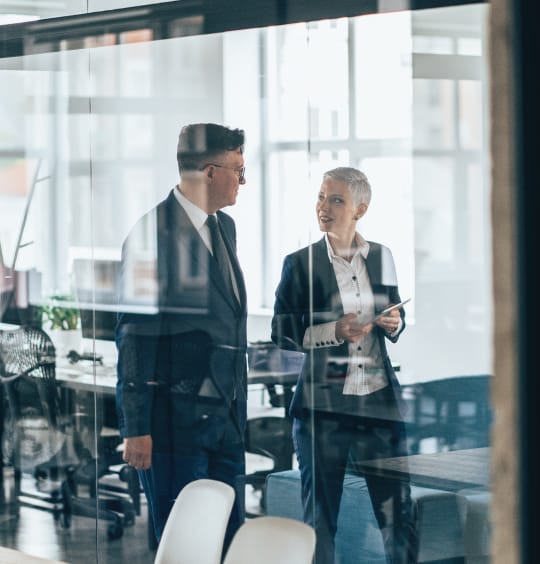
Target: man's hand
[{"x": 138, "y": 452}]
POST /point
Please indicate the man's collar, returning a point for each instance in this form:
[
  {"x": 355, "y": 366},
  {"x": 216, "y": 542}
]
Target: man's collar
[{"x": 195, "y": 213}]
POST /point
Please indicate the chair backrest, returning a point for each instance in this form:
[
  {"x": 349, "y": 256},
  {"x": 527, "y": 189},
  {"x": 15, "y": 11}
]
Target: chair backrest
[
  {"x": 25, "y": 351},
  {"x": 27, "y": 370},
  {"x": 456, "y": 411},
  {"x": 196, "y": 525},
  {"x": 272, "y": 540},
  {"x": 27, "y": 375},
  {"x": 271, "y": 436}
]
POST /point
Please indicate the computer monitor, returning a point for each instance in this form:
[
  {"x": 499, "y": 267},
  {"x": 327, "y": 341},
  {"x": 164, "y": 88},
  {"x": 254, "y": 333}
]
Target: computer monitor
[
  {"x": 96, "y": 291},
  {"x": 95, "y": 282},
  {"x": 98, "y": 324}
]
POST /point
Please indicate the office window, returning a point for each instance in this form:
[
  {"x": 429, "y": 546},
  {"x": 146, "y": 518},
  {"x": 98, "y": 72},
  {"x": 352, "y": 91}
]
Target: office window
[
  {"x": 434, "y": 124},
  {"x": 434, "y": 208},
  {"x": 119, "y": 107},
  {"x": 470, "y": 114},
  {"x": 383, "y": 99}
]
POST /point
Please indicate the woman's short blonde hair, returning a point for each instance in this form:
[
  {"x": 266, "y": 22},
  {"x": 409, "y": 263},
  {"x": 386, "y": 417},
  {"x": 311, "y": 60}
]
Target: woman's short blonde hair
[{"x": 357, "y": 181}]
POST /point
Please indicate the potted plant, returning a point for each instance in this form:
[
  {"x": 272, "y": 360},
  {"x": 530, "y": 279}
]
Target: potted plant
[{"x": 61, "y": 321}]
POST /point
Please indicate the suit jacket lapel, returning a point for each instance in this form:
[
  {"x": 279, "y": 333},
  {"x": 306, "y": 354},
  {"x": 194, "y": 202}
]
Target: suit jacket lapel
[
  {"x": 238, "y": 275},
  {"x": 184, "y": 234},
  {"x": 382, "y": 275}
]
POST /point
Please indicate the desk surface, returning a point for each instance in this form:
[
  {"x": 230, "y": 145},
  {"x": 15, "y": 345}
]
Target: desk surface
[
  {"x": 452, "y": 470},
  {"x": 287, "y": 378},
  {"x": 86, "y": 377}
]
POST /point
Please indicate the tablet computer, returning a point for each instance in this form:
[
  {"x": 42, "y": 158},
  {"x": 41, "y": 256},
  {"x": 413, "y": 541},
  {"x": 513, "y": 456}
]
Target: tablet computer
[{"x": 387, "y": 310}]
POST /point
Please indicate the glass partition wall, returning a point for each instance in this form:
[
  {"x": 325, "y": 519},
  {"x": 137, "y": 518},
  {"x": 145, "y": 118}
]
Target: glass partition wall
[{"x": 88, "y": 138}]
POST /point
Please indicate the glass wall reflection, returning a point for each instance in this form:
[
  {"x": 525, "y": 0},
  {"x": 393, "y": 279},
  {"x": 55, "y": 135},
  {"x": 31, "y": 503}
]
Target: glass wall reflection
[{"x": 88, "y": 146}]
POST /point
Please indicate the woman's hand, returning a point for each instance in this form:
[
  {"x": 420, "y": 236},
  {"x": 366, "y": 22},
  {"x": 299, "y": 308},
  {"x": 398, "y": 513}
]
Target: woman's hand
[
  {"x": 389, "y": 322},
  {"x": 348, "y": 328}
]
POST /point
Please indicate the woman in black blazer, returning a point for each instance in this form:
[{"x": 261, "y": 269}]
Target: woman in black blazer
[{"x": 347, "y": 404}]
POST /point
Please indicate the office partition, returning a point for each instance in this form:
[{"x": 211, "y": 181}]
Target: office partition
[{"x": 88, "y": 146}]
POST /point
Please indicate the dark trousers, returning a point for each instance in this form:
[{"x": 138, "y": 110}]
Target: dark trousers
[
  {"x": 169, "y": 473},
  {"x": 325, "y": 449}
]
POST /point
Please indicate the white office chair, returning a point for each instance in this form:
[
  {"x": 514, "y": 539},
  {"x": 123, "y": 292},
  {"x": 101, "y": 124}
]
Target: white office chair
[
  {"x": 272, "y": 540},
  {"x": 196, "y": 525}
]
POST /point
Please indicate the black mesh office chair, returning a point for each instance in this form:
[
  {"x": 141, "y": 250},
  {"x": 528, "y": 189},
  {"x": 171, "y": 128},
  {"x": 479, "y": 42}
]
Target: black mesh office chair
[
  {"x": 43, "y": 438},
  {"x": 271, "y": 436}
]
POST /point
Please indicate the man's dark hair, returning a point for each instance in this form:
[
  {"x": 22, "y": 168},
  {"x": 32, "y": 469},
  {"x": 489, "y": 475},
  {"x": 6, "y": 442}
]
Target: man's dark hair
[{"x": 199, "y": 143}]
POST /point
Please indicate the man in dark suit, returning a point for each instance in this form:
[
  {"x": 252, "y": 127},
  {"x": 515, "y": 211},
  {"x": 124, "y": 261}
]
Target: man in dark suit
[{"x": 182, "y": 375}]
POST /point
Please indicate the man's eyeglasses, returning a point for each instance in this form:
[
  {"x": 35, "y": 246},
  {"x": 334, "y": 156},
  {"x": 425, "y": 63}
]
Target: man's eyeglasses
[{"x": 241, "y": 172}]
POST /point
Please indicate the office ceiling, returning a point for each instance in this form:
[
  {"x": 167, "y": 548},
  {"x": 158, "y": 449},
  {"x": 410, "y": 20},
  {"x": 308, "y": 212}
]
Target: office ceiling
[
  {"x": 58, "y": 8},
  {"x": 40, "y": 8},
  {"x": 458, "y": 17}
]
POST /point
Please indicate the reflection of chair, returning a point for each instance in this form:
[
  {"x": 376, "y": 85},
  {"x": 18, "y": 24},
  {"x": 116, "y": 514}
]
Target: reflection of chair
[
  {"x": 196, "y": 525},
  {"x": 266, "y": 356},
  {"x": 475, "y": 507},
  {"x": 454, "y": 412},
  {"x": 272, "y": 540},
  {"x": 270, "y": 437},
  {"x": 45, "y": 441},
  {"x": 116, "y": 477}
]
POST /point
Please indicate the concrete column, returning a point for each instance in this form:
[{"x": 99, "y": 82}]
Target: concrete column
[{"x": 505, "y": 508}]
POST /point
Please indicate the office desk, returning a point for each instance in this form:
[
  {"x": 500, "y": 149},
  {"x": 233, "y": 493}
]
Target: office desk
[
  {"x": 102, "y": 379},
  {"x": 451, "y": 470},
  {"x": 284, "y": 378},
  {"x": 86, "y": 378}
]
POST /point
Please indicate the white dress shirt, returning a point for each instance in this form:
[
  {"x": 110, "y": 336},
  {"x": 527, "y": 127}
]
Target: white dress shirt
[
  {"x": 365, "y": 373},
  {"x": 196, "y": 215}
]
